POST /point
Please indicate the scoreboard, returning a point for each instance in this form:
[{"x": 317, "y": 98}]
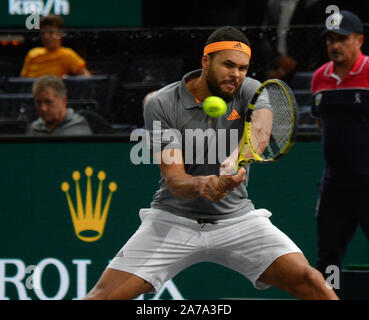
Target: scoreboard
[{"x": 76, "y": 13}]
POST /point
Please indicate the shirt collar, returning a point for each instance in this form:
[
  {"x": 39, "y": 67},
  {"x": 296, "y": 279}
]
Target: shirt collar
[
  {"x": 188, "y": 100},
  {"x": 356, "y": 69}
]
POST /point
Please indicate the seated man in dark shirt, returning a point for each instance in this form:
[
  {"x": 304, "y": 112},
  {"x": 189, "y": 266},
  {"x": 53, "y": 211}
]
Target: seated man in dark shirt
[{"x": 55, "y": 118}]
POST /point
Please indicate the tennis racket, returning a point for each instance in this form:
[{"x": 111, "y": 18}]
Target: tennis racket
[{"x": 257, "y": 145}]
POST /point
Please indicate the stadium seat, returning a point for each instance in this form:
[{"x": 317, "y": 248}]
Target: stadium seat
[
  {"x": 300, "y": 84},
  {"x": 301, "y": 80},
  {"x": 306, "y": 121},
  {"x": 147, "y": 71},
  {"x": 97, "y": 123},
  {"x": 21, "y": 106},
  {"x": 129, "y": 107},
  {"x": 9, "y": 67},
  {"x": 83, "y": 104},
  {"x": 143, "y": 76},
  {"x": 17, "y": 106},
  {"x": 9, "y": 126},
  {"x": 100, "y": 88},
  {"x": 18, "y": 85},
  {"x": 303, "y": 97},
  {"x": 111, "y": 65}
]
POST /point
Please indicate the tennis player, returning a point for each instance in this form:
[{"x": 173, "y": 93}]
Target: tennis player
[{"x": 193, "y": 217}]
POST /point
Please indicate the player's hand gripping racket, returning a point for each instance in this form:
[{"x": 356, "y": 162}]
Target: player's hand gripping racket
[{"x": 268, "y": 135}]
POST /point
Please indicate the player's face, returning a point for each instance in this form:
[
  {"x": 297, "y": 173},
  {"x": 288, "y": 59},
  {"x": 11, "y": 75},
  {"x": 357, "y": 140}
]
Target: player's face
[
  {"x": 343, "y": 49},
  {"x": 51, "y": 37},
  {"x": 225, "y": 72},
  {"x": 49, "y": 107}
]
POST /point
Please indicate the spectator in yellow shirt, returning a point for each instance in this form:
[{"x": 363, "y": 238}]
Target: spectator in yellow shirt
[{"x": 53, "y": 58}]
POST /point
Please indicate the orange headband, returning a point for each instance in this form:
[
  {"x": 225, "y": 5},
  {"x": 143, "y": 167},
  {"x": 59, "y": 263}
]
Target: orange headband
[{"x": 227, "y": 45}]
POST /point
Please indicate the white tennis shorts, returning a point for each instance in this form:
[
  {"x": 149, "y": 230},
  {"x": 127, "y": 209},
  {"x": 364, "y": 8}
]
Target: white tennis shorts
[{"x": 166, "y": 244}]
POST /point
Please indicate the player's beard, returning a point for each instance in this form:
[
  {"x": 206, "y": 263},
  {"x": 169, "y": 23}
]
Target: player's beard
[{"x": 214, "y": 87}]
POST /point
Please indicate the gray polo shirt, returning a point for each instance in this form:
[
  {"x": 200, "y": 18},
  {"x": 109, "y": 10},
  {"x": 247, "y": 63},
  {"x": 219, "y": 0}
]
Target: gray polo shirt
[
  {"x": 72, "y": 124},
  {"x": 176, "y": 108}
]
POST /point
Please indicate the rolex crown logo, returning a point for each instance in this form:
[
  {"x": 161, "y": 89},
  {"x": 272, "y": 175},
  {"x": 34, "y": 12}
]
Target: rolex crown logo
[{"x": 89, "y": 219}]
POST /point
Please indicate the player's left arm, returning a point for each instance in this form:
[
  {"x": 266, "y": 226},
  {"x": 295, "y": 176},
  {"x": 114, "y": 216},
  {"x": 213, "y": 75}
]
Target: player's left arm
[
  {"x": 262, "y": 115},
  {"x": 262, "y": 123}
]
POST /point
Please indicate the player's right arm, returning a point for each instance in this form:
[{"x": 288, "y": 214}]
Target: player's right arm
[{"x": 183, "y": 185}]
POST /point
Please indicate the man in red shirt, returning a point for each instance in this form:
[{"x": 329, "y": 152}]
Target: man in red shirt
[{"x": 341, "y": 103}]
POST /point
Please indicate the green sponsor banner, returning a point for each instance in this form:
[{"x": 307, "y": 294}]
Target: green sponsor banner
[
  {"x": 76, "y": 13},
  {"x": 45, "y": 253}
]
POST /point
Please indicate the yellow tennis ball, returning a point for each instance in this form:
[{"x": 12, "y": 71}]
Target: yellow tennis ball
[{"x": 214, "y": 106}]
